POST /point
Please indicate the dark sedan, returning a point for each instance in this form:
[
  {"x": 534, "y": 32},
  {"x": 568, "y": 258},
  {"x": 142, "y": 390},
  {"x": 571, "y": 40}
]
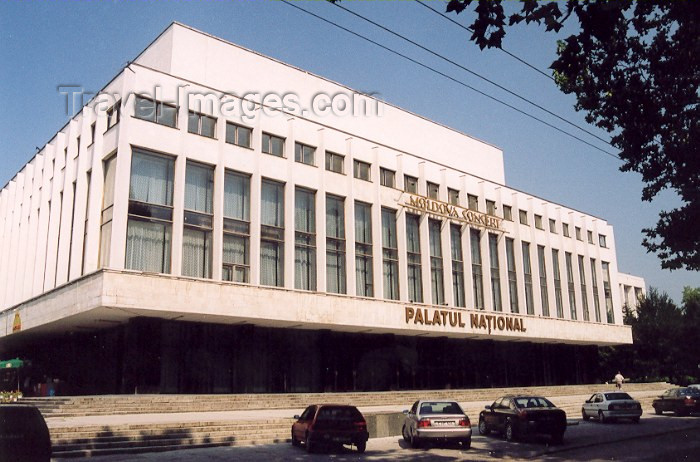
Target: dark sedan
[
  {"x": 682, "y": 401},
  {"x": 330, "y": 425},
  {"x": 515, "y": 416}
]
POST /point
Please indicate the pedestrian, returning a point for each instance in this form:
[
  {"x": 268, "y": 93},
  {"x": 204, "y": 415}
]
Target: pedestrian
[{"x": 618, "y": 380}]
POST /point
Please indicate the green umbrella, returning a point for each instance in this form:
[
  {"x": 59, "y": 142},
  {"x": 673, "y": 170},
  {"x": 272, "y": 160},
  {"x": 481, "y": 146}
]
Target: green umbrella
[{"x": 11, "y": 363}]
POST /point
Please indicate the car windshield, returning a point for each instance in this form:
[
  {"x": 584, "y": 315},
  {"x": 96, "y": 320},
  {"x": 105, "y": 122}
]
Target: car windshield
[
  {"x": 338, "y": 413},
  {"x": 614, "y": 396},
  {"x": 689, "y": 391},
  {"x": 532, "y": 401},
  {"x": 440, "y": 407}
]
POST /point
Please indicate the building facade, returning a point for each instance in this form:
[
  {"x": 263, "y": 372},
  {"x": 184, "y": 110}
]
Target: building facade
[{"x": 218, "y": 221}]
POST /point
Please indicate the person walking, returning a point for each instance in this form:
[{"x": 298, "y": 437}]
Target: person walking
[{"x": 619, "y": 379}]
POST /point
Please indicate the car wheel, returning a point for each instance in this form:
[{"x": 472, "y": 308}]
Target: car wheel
[
  {"x": 361, "y": 447},
  {"x": 584, "y": 415},
  {"x": 310, "y": 446},
  {"x": 467, "y": 443},
  {"x": 406, "y": 438},
  {"x": 658, "y": 411},
  {"x": 509, "y": 433},
  {"x": 483, "y": 429},
  {"x": 415, "y": 442},
  {"x": 295, "y": 441},
  {"x": 601, "y": 417}
]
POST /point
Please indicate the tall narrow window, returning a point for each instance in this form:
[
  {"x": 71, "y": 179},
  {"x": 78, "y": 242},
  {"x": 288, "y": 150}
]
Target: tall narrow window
[
  {"x": 149, "y": 227},
  {"x": 363, "y": 250},
  {"x": 608, "y": 293},
  {"x": 495, "y": 273},
  {"x": 415, "y": 282},
  {"x": 538, "y": 222},
  {"x": 273, "y": 145},
  {"x": 238, "y": 134},
  {"x": 565, "y": 229},
  {"x": 236, "y": 242},
  {"x": 527, "y": 272},
  {"x": 304, "y": 239},
  {"x": 557, "y": 283},
  {"x": 387, "y": 177},
  {"x": 552, "y": 226},
  {"x": 109, "y": 170},
  {"x": 272, "y": 233},
  {"x": 335, "y": 245},
  {"x": 523, "y": 217},
  {"x": 507, "y": 213},
  {"x": 544, "y": 294},
  {"x": 590, "y": 236},
  {"x": 304, "y": 154},
  {"x": 596, "y": 299},
  {"x": 512, "y": 276},
  {"x": 452, "y": 196},
  {"x": 433, "y": 190},
  {"x": 601, "y": 241},
  {"x": 490, "y": 207},
  {"x": 584, "y": 293},
  {"x": 472, "y": 202},
  {"x": 457, "y": 265},
  {"x": 578, "y": 233},
  {"x": 361, "y": 170},
  {"x": 197, "y": 232},
  {"x": 571, "y": 286},
  {"x": 437, "y": 278},
  {"x": 390, "y": 255},
  {"x": 87, "y": 221},
  {"x": 113, "y": 115},
  {"x": 410, "y": 184},
  {"x": 477, "y": 281}
]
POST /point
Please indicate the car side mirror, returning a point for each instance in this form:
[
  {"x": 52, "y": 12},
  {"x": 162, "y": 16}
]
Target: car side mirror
[
  {"x": 588, "y": 400},
  {"x": 488, "y": 407},
  {"x": 296, "y": 417},
  {"x": 405, "y": 411}
]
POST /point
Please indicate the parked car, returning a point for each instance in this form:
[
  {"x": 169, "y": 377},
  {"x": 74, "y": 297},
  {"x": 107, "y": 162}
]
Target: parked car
[
  {"x": 330, "y": 425},
  {"x": 24, "y": 435},
  {"x": 695, "y": 385},
  {"x": 437, "y": 421},
  {"x": 516, "y": 416},
  {"x": 682, "y": 401},
  {"x": 610, "y": 406}
]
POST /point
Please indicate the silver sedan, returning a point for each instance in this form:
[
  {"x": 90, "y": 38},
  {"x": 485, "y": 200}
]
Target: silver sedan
[
  {"x": 611, "y": 406},
  {"x": 436, "y": 421}
]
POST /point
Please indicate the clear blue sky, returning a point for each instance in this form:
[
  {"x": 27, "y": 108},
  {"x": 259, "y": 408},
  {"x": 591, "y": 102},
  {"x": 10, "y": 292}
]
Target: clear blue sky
[{"x": 47, "y": 44}]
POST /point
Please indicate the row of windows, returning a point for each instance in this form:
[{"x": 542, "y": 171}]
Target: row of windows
[{"x": 149, "y": 236}]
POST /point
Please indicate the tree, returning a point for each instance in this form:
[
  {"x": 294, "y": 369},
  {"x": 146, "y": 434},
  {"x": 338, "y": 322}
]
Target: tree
[{"x": 634, "y": 67}]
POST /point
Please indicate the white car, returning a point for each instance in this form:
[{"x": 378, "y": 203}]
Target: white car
[
  {"x": 437, "y": 421},
  {"x": 611, "y": 405}
]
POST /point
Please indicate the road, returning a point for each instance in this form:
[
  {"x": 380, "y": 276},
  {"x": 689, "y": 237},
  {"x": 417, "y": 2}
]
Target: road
[{"x": 655, "y": 438}]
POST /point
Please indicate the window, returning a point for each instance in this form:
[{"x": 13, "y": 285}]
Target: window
[
  {"x": 335, "y": 245},
  {"x": 363, "y": 250},
  {"x": 304, "y": 154},
  {"x": 565, "y": 229},
  {"x": 472, "y": 202},
  {"x": 113, "y": 115},
  {"x": 457, "y": 265},
  {"x": 109, "y": 170},
  {"x": 523, "y": 217},
  {"x": 584, "y": 293},
  {"x": 335, "y": 162},
  {"x": 387, "y": 177},
  {"x": 390, "y": 255},
  {"x": 272, "y": 233},
  {"x": 602, "y": 241},
  {"x": 433, "y": 190},
  {"x": 596, "y": 299},
  {"x": 410, "y": 184},
  {"x": 437, "y": 279},
  {"x": 507, "y": 213},
  {"x": 238, "y": 135},
  {"x": 87, "y": 218},
  {"x": 552, "y": 226},
  {"x": 155, "y": 111},
  {"x": 590, "y": 237},
  {"x": 236, "y": 242},
  {"x": 197, "y": 233},
  {"x": 557, "y": 283},
  {"x": 149, "y": 226},
  {"x": 201, "y": 124},
  {"x": 538, "y": 222},
  {"x": 512, "y": 276},
  {"x": 477, "y": 282},
  {"x": 608, "y": 293},
  {"x": 544, "y": 295},
  {"x": 527, "y": 272},
  {"x": 453, "y": 196},
  {"x": 273, "y": 145},
  {"x": 578, "y": 233},
  {"x": 415, "y": 282},
  {"x": 571, "y": 287},
  {"x": 93, "y": 126},
  {"x": 490, "y": 207},
  {"x": 304, "y": 239},
  {"x": 361, "y": 170},
  {"x": 495, "y": 273}
]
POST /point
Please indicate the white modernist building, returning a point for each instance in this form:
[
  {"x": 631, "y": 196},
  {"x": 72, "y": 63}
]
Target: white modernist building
[{"x": 216, "y": 220}]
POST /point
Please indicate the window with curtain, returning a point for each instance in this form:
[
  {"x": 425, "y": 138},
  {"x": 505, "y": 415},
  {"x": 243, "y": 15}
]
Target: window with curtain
[
  {"x": 199, "y": 220},
  {"x": 453, "y": 196},
  {"x": 544, "y": 294},
  {"x": 557, "y": 283},
  {"x": 477, "y": 278},
  {"x": 594, "y": 282},
  {"x": 272, "y": 233},
  {"x": 304, "y": 239},
  {"x": 415, "y": 282},
  {"x": 410, "y": 184},
  {"x": 304, "y": 154},
  {"x": 387, "y": 177},
  {"x": 527, "y": 272},
  {"x": 363, "y": 250},
  {"x": 334, "y": 162},
  {"x": 608, "y": 293},
  {"x": 570, "y": 284},
  {"x": 361, "y": 170},
  {"x": 149, "y": 225},
  {"x": 201, "y": 124},
  {"x": 437, "y": 278},
  {"x": 238, "y": 134},
  {"x": 273, "y": 145},
  {"x": 512, "y": 276},
  {"x": 584, "y": 293},
  {"x": 495, "y": 273},
  {"x": 433, "y": 190},
  {"x": 108, "y": 169},
  {"x": 155, "y": 111},
  {"x": 472, "y": 202},
  {"x": 457, "y": 265},
  {"x": 390, "y": 255},
  {"x": 335, "y": 245},
  {"x": 236, "y": 238}
]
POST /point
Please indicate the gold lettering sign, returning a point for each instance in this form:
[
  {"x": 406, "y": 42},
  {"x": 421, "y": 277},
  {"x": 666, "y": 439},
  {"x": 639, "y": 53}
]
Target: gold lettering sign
[
  {"x": 487, "y": 322},
  {"x": 453, "y": 212}
]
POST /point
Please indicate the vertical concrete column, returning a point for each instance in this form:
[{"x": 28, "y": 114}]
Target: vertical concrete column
[
  {"x": 289, "y": 224},
  {"x": 321, "y": 214}
]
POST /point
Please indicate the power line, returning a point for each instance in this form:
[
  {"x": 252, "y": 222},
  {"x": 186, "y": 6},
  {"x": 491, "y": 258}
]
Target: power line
[
  {"x": 469, "y": 29},
  {"x": 476, "y": 74},
  {"x": 442, "y": 74}
]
